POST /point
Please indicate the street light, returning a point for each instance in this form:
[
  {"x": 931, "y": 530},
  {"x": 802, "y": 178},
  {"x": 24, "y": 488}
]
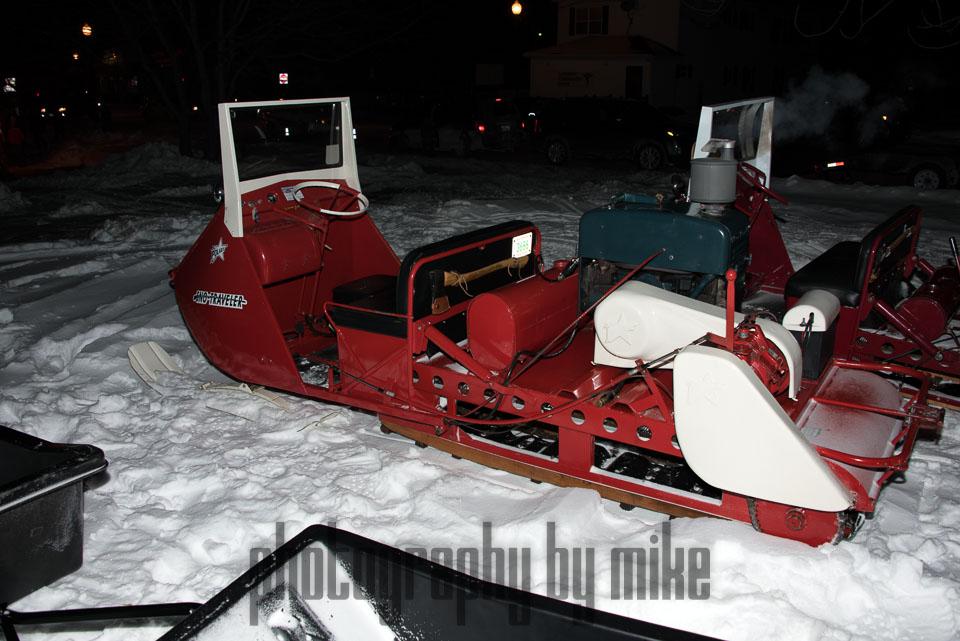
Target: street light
[
  {"x": 86, "y": 29},
  {"x": 516, "y": 8}
]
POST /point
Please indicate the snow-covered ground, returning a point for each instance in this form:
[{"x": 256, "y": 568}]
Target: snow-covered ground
[{"x": 192, "y": 489}]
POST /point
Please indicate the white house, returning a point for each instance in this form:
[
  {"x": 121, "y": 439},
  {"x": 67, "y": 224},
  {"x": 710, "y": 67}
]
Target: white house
[{"x": 669, "y": 52}]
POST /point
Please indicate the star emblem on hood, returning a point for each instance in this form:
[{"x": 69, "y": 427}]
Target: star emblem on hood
[{"x": 218, "y": 251}]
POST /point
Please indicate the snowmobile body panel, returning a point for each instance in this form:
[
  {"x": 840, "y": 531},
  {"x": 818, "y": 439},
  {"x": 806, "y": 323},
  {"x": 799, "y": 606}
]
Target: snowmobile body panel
[
  {"x": 248, "y": 300},
  {"x": 736, "y": 436},
  {"x": 228, "y": 312}
]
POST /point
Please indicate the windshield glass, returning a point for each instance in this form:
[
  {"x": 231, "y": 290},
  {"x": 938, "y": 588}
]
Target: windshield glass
[{"x": 279, "y": 139}]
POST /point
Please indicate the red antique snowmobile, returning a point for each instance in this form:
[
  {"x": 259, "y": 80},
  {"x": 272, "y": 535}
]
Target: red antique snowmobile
[{"x": 617, "y": 370}]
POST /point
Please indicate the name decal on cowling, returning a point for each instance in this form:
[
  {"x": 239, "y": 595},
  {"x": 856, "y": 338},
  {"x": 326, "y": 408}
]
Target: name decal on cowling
[{"x": 219, "y": 299}]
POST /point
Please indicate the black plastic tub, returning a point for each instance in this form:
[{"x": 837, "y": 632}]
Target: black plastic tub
[{"x": 41, "y": 510}]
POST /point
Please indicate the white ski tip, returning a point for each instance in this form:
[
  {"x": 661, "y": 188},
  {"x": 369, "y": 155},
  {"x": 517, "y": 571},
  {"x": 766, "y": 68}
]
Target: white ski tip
[{"x": 148, "y": 358}]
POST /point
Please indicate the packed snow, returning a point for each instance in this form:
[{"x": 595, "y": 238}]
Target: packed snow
[{"x": 191, "y": 489}]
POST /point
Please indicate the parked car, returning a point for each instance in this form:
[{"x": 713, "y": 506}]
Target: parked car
[
  {"x": 874, "y": 142},
  {"x": 460, "y": 126},
  {"x": 609, "y": 128},
  {"x": 499, "y": 124},
  {"x": 444, "y": 125},
  {"x": 924, "y": 162}
]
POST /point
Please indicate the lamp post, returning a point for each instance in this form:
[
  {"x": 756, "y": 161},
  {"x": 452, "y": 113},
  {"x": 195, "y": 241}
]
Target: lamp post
[
  {"x": 86, "y": 29},
  {"x": 516, "y": 7}
]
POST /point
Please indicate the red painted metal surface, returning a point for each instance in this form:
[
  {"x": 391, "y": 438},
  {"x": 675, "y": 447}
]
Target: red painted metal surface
[
  {"x": 228, "y": 311},
  {"x": 247, "y": 323},
  {"x": 770, "y": 265},
  {"x": 876, "y": 272},
  {"x": 763, "y": 357},
  {"x": 790, "y": 522},
  {"x": 932, "y": 306},
  {"x": 519, "y": 317},
  {"x": 368, "y": 359},
  {"x": 907, "y": 328},
  {"x": 282, "y": 249}
]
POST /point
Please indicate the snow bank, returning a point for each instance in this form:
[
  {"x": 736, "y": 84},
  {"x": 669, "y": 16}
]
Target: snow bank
[
  {"x": 125, "y": 169},
  {"x": 10, "y": 200}
]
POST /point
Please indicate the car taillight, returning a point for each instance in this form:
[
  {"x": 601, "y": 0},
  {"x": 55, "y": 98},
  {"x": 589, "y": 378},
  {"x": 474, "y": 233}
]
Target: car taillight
[{"x": 480, "y": 128}]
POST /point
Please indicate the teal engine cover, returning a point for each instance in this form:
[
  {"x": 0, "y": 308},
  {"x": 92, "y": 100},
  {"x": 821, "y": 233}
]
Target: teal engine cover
[{"x": 699, "y": 247}]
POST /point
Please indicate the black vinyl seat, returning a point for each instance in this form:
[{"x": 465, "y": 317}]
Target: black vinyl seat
[
  {"x": 382, "y": 298},
  {"x": 835, "y": 271},
  {"x": 423, "y": 287},
  {"x": 845, "y": 268}
]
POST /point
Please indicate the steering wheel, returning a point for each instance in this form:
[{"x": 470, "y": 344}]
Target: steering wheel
[{"x": 356, "y": 197}]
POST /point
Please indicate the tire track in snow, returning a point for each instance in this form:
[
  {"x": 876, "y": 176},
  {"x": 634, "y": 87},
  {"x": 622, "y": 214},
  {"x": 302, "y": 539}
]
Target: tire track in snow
[{"x": 68, "y": 310}]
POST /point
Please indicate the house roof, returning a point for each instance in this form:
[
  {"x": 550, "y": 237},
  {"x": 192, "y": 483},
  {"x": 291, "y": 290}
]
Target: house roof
[{"x": 604, "y": 47}]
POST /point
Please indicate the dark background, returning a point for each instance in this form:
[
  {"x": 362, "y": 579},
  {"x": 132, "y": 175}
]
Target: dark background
[{"x": 153, "y": 61}]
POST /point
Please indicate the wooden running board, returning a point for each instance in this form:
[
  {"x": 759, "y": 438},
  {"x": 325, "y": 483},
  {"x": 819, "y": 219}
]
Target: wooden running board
[
  {"x": 933, "y": 397},
  {"x": 538, "y": 474},
  {"x": 937, "y": 400}
]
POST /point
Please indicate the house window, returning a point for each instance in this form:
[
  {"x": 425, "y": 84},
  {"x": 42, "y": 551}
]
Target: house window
[{"x": 589, "y": 20}]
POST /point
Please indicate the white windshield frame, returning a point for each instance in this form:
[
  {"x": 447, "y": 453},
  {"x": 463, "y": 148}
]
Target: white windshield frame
[{"x": 234, "y": 188}]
